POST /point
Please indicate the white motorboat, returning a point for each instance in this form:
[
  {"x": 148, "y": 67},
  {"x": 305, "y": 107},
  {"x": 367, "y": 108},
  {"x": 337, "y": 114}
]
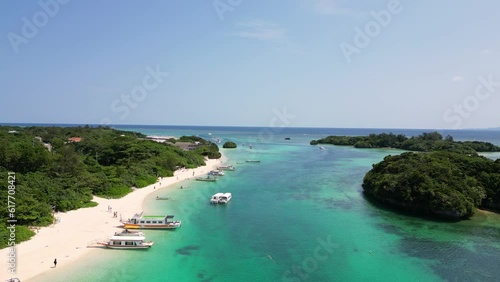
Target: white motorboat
[
  {"x": 225, "y": 198},
  {"x": 139, "y": 221},
  {"x": 216, "y": 172},
  {"x": 127, "y": 232},
  {"x": 215, "y": 198},
  {"x": 127, "y": 242}
]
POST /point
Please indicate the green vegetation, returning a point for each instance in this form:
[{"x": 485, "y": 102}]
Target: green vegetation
[
  {"x": 449, "y": 181},
  {"x": 204, "y": 147},
  {"x": 444, "y": 185},
  {"x": 427, "y": 142},
  {"x": 229, "y": 145},
  {"x": 106, "y": 162}
]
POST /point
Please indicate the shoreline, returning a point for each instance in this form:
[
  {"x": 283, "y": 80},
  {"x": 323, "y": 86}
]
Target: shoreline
[{"x": 85, "y": 225}]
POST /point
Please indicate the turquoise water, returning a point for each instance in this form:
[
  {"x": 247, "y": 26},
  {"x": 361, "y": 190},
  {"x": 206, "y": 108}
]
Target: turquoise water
[{"x": 299, "y": 215}]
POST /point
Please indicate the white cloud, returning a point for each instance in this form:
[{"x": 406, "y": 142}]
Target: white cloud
[
  {"x": 261, "y": 30},
  {"x": 327, "y": 7},
  {"x": 457, "y": 78}
]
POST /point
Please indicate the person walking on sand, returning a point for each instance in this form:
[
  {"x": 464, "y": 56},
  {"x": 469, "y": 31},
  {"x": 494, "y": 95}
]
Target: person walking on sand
[{"x": 55, "y": 262}]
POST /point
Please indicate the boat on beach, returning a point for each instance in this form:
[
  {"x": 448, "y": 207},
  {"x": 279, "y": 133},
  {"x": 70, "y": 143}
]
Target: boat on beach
[
  {"x": 127, "y": 242},
  {"x": 207, "y": 179},
  {"x": 140, "y": 221}
]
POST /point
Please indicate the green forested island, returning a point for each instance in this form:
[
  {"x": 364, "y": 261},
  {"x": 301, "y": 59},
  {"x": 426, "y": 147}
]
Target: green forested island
[
  {"x": 60, "y": 168},
  {"x": 426, "y": 142},
  {"x": 442, "y": 184},
  {"x": 447, "y": 179},
  {"x": 229, "y": 145}
]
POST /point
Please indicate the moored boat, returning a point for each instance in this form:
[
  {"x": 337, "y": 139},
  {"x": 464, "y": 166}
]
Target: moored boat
[
  {"x": 162, "y": 198},
  {"x": 227, "y": 167},
  {"x": 208, "y": 178},
  {"x": 127, "y": 242},
  {"x": 216, "y": 172},
  {"x": 127, "y": 232},
  {"x": 253, "y": 161},
  {"x": 139, "y": 221}
]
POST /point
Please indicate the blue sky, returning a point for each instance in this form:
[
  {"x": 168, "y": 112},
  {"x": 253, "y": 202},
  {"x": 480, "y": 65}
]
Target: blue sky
[{"x": 318, "y": 63}]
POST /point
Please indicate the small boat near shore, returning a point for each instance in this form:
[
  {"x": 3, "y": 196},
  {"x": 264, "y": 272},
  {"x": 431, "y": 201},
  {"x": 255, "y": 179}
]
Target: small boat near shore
[
  {"x": 216, "y": 172},
  {"x": 227, "y": 167},
  {"x": 127, "y": 242},
  {"x": 253, "y": 161},
  {"x": 139, "y": 221},
  {"x": 162, "y": 198},
  {"x": 127, "y": 232},
  {"x": 207, "y": 179}
]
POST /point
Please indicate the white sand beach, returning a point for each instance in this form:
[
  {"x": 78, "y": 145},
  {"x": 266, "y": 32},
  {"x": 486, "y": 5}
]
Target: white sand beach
[{"x": 67, "y": 240}]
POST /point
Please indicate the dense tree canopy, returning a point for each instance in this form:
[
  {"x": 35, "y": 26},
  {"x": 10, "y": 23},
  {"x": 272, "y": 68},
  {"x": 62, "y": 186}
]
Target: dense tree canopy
[
  {"x": 441, "y": 184},
  {"x": 104, "y": 162},
  {"x": 427, "y": 142},
  {"x": 229, "y": 145}
]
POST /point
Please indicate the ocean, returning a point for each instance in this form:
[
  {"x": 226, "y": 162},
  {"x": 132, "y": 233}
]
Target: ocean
[{"x": 298, "y": 215}]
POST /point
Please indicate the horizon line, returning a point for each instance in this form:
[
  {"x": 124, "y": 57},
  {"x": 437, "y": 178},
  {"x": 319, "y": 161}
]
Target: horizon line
[{"x": 246, "y": 126}]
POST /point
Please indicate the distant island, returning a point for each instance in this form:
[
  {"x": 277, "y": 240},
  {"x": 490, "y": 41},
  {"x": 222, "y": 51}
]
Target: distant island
[
  {"x": 426, "y": 142},
  {"x": 446, "y": 179},
  {"x": 229, "y": 145},
  {"x": 60, "y": 168}
]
